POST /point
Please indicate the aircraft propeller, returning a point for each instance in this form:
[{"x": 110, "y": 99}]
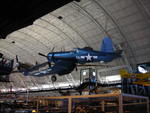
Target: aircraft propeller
[
  {"x": 25, "y": 67},
  {"x": 46, "y": 57},
  {"x": 49, "y": 63},
  {"x": 17, "y": 63},
  {"x": 42, "y": 55}
]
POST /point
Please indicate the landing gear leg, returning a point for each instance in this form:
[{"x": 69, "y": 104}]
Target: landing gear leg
[{"x": 53, "y": 78}]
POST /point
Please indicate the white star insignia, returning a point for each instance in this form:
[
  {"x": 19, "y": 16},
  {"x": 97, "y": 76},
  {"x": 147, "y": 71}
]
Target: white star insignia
[{"x": 89, "y": 58}]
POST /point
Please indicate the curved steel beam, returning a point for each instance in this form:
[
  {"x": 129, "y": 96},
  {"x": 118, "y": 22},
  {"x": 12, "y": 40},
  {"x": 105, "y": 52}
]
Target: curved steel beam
[
  {"x": 23, "y": 47},
  {"x": 40, "y": 33},
  {"x": 27, "y": 39},
  {"x": 9, "y": 53},
  {"x": 118, "y": 27},
  {"x": 18, "y": 47},
  {"x": 60, "y": 30},
  {"x": 70, "y": 27},
  {"x": 26, "y": 33},
  {"x": 91, "y": 18},
  {"x": 112, "y": 18},
  {"x": 141, "y": 6}
]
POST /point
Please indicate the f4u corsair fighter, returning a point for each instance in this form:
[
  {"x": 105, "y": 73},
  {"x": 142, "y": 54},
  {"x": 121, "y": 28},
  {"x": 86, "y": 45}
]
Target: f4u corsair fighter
[{"x": 66, "y": 62}]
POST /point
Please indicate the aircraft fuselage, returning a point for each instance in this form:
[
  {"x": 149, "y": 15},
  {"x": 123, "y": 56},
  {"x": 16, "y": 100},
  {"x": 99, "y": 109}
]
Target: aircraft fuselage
[{"x": 82, "y": 56}]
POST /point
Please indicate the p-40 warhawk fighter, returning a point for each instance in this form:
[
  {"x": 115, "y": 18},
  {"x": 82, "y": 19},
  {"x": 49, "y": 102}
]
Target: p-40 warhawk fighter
[{"x": 66, "y": 62}]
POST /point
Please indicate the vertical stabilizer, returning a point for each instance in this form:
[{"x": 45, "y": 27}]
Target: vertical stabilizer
[{"x": 107, "y": 45}]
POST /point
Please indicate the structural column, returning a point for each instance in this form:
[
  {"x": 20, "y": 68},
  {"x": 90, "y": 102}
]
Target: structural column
[
  {"x": 69, "y": 105},
  {"x": 37, "y": 106},
  {"x": 120, "y": 103},
  {"x": 148, "y": 110},
  {"x": 103, "y": 105}
]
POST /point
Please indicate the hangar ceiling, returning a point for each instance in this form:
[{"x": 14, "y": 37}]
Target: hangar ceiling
[{"x": 80, "y": 24}]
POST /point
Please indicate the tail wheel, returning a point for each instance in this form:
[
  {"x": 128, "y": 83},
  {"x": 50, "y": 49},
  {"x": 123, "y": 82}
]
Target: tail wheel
[{"x": 53, "y": 78}]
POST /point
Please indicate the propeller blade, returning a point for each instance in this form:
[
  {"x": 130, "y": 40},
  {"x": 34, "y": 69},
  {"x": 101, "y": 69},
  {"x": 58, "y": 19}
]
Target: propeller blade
[
  {"x": 49, "y": 64},
  {"x": 17, "y": 59},
  {"x": 36, "y": 63},
  {"x": 53, "y": 58},
  {"x": 52, "y": 49},
  {"x": 18, "y": 65},
  {"x": 42, "y": 55},
  {"x": 76, "y": 68}
]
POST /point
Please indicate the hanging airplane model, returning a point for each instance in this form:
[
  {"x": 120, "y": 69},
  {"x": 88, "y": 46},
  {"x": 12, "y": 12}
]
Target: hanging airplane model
[
  {"x": 6, "y": 67},
  {"x": 65, "y": 62},
  {"x": 125, "y": 74},
  {"x": 140, "y": 78}
]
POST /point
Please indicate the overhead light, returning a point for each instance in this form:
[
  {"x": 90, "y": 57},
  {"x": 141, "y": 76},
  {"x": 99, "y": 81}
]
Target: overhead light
[
  {"x": 84, "y": 73},
  {"x": 142, "y": 70},
  {"x": 33, "y": 111},
  {"x": 34, "y": 88},
  {"x": 46, "y": 86},
  {"x": 94, "y": 73},
  {"x": 60, "y": 17},
  {"x": 13, "y": 42},
  {"x": 113, "y": 78}
]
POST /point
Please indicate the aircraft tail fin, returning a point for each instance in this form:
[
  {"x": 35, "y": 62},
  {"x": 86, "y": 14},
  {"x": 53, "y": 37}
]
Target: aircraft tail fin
[{"x": 107, "y": 45}]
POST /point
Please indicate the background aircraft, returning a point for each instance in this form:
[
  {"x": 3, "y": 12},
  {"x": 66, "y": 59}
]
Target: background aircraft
[
  {"x": 139, "y": 78},
  {"x": 6, "y": 67},
  {"x": 65, "y": 62},
  {"x": 125, "y": 74}
]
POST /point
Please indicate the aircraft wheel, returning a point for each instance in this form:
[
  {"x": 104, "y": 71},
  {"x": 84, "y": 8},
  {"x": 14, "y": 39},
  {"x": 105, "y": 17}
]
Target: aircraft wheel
[{"x": 53, "y": 78}]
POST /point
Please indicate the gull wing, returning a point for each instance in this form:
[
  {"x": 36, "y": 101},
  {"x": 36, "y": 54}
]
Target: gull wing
[{"x": 61, "y": 67}]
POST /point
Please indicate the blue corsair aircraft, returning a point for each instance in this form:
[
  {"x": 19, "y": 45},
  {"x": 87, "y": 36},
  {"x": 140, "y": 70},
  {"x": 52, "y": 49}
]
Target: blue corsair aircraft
[{"x": 66, "y": 62}]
